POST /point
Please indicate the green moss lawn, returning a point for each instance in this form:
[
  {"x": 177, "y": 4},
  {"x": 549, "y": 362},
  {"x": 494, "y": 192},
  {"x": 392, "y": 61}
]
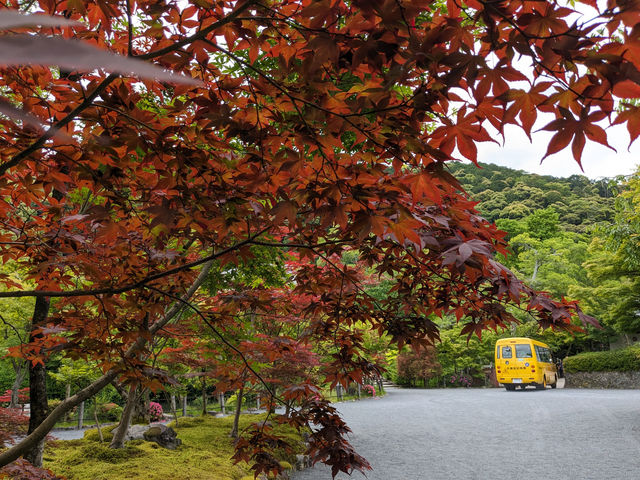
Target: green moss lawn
[{"x": 204, "y": 454}]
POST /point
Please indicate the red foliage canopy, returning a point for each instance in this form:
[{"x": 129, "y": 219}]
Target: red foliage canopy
[{"x": 316, "y": 127}]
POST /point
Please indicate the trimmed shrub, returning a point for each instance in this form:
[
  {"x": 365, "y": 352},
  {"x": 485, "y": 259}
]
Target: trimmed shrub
[
  {"x": 110, "y": 412},
  {"x": 624, "y": 360}
]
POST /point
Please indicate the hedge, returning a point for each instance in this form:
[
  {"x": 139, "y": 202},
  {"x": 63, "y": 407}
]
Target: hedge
[{"x": 624, "y": 360}]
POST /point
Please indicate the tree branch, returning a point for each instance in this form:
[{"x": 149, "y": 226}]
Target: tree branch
[
  {"x": 107, "y": 81},
  {"x": 139, "y": 284}
]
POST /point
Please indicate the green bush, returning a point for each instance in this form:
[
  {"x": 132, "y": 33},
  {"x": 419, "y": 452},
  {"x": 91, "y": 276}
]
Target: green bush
[
  {"x": 92, "y": 435},
  {"x": 53, "y": 403},
  {"x": 110, "y": 412},
  {"x": 624, "y": 360}
]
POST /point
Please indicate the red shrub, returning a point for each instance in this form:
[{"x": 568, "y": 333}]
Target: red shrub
[
  {"x": 23, "y": 470},
  {"x": 12, "y": 422}
]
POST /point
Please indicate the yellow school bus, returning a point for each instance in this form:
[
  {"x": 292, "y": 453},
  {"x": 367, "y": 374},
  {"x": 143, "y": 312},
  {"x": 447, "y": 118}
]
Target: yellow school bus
[{"x": 523, "y": 361}]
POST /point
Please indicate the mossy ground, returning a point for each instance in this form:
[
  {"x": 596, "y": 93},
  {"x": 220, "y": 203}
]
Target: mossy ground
[{"x": 205, "y": 454}]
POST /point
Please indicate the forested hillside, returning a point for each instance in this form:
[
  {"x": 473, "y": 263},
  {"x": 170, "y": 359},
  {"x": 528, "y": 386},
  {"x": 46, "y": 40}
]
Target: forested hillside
[{"x": 505, "y": 193}]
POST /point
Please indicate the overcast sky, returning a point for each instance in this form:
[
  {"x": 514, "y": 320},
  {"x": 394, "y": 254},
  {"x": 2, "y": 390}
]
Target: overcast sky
[{"x": 598, "y": 161}]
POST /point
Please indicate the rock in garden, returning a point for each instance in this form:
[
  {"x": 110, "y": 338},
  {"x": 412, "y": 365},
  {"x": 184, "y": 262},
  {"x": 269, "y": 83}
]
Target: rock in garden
[
  {"x": 164, "y": 436},
  {"x": 136, "y": 432}
]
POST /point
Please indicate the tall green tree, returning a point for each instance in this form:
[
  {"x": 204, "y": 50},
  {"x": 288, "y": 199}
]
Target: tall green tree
[{"x": 613, "y": 265}]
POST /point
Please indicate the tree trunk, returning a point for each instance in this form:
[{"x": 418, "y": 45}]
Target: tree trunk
[
  {"x": 80, "y": 415},
  {"x": 122, "y": 391},
  {"x": 236, "y": 418},
  {"x": 37, "y": 385},
  {"x": 20, "y": 367},
  {"x": 120, "y": 432},
  {"x": 174, "y": 410},
  {"x": 172, "y": 403},
  {"x": 221, "y": 401},
  {"x": 536, "y": 266},
  {"x": 204, "y": 396},
  {"x": 67, "y": 395},
  {"x": 141, "y": 403},
  {"x": 141, "y": 409},
  {"x": 95, "y": 417},
  {"x": 359, "y": 391},
  {"x": 184, "y": 405}
]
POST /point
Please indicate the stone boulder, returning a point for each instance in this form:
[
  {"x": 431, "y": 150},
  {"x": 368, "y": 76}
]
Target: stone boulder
[
  {"x": 135, "y": 432},
  {"x": 156, "y": 432},
  {"x": 164, "y": 436}
]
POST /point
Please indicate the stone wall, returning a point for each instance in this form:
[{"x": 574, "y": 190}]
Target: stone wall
[{"x": 621, "y": 380}]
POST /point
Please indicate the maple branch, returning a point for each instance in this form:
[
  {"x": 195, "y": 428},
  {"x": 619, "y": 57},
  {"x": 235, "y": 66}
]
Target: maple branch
[
  {"x": 129, "y": 30},
  {"x": 344, "y": 274},
  {"x": 199, "y": 313},
  {"x": 300, "y": 245},
  {"x": 345, "y": 116},
  {"x": 110, "y": 78},
  {"x": 533, "y": 55},
  {"x": 126, "y": 115},
  {"x": 199, "y": 35},
  {"x": 139, "y": 284},
  {"x": 404, "y": 17},
  {"x": 58, "y": 125},
  {"x": 12, "y": 327},
  {"x": 294, "y": 99}
]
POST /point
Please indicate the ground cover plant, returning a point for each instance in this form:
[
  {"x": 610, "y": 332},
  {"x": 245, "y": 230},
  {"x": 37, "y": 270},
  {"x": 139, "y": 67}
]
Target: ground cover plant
[
  {"x": 206, "y": 453},
  {"x": 137, "y": 205}
]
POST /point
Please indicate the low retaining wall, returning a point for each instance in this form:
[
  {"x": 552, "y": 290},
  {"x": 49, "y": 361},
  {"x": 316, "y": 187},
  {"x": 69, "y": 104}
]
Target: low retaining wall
[{"x": 621, "y": 380}]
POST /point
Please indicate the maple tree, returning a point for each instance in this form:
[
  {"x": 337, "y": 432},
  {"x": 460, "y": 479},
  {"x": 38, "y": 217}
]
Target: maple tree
[
  {"x": 312, "y": 127},
  {"x": 414, "y": 366}
]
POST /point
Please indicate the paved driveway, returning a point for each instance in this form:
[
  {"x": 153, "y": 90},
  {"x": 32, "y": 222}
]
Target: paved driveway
[{"x": 488, "y": 434}]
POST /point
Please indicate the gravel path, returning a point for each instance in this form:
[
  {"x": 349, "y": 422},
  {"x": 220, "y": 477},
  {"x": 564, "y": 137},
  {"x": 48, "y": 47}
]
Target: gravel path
[
  {"x": 489, "y": 434},
  {"x": 68, "y": 434}
]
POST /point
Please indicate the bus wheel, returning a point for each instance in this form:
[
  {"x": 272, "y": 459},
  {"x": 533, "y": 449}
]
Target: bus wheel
[
  {"x": 543, "y": 385},
  {"x": 509, "y": 387},
  {"x": 555, "y": 384}
]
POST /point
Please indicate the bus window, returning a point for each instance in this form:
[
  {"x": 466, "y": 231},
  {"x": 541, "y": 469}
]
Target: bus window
[
  {"x": 544, "y": 355},
  {"x": 523, "y": 351},
  {"x": 506, "y": 352}
]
